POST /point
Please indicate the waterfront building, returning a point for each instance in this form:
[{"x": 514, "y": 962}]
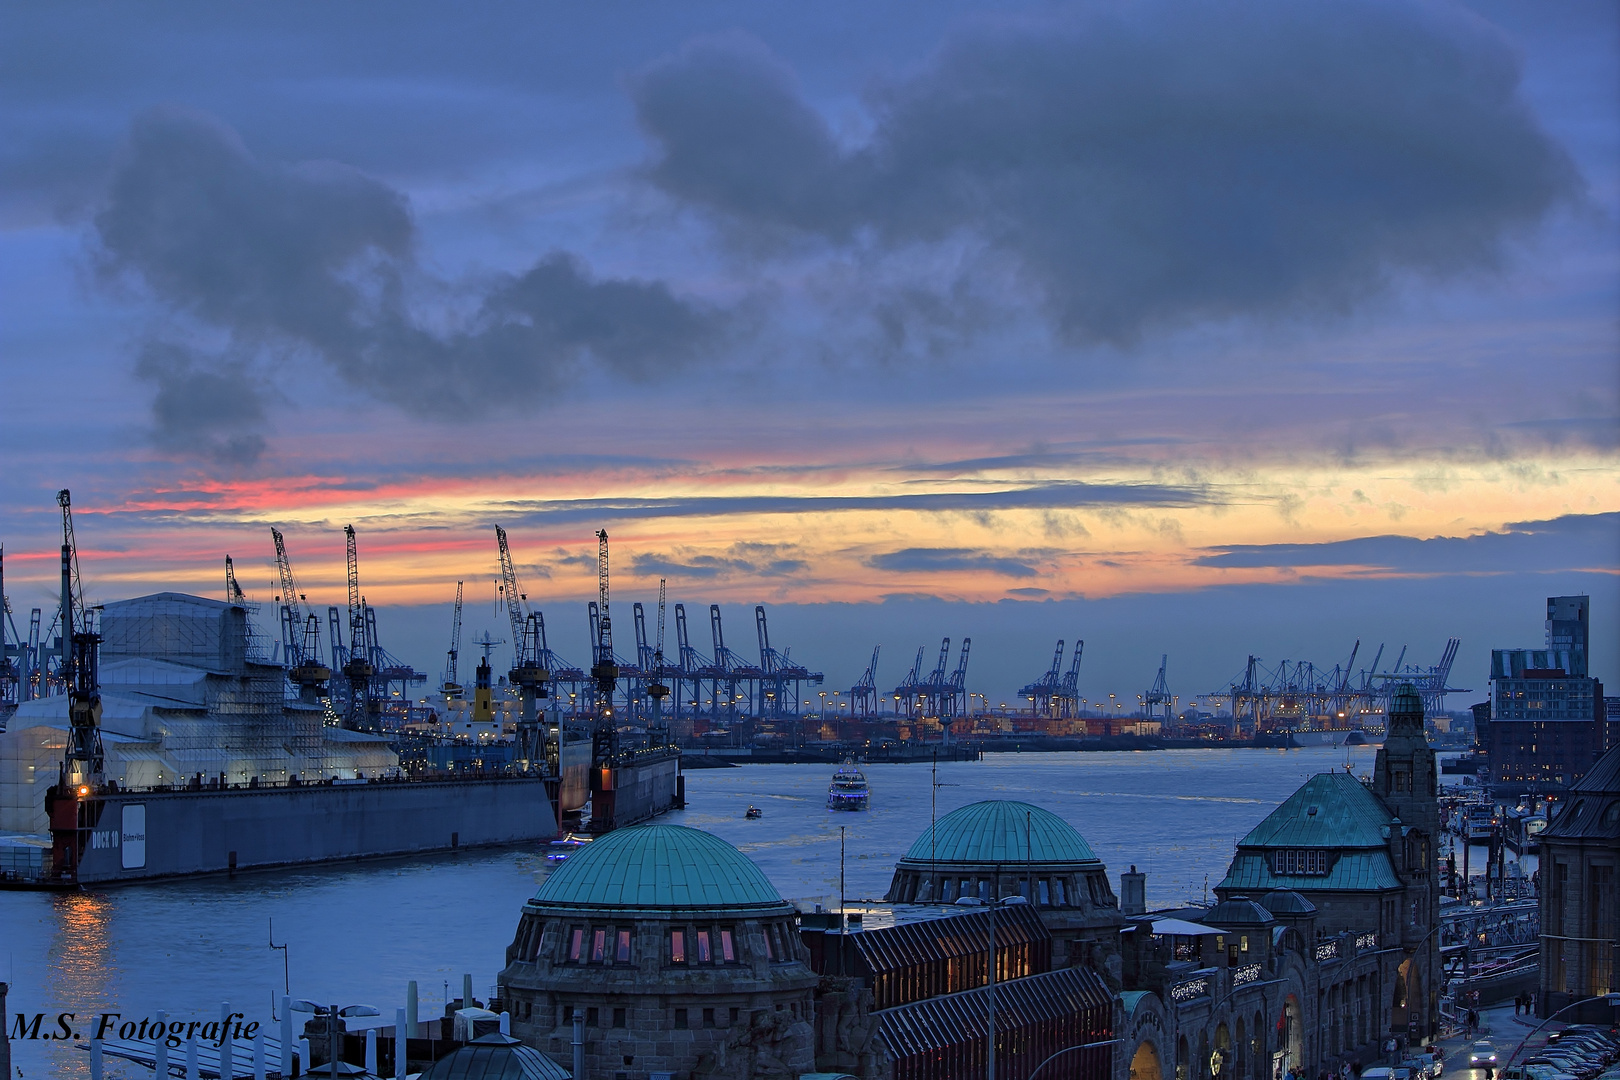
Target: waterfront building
[
  {"x": 1320, "y": 950},
  {"x": 1547, "y": 723},
  {"x": 1580, "y": 894},
  {"x": 1000, "y": 848},
  {"x": 912, "y": 999},
  {"x": 677, "y": 952}
]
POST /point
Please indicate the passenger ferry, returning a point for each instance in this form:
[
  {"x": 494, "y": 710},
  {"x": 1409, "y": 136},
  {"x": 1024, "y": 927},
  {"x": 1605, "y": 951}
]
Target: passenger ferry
[{"x": 848, "y": 790}]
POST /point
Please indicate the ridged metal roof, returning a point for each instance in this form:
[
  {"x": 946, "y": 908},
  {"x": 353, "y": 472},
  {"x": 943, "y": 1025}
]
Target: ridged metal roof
[
  {"x": 1330, "y": 810},
  {"x": 1001, "y": 831},
  {"x": 658, "y": 867},
  {"x": 1353, "y": 871}
]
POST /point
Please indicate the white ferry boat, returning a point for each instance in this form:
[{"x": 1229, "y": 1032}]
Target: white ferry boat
[{"x": 848, "y": 790}]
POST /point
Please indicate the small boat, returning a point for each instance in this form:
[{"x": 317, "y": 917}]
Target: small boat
[
  {"x": 848, "y": 790},
  {"x": 754, "y": 812},
  {"x": 565, "y": 846}
]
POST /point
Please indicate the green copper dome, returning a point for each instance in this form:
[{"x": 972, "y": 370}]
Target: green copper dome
[
  {"x": 1001, "y": 831},
  {"x": 658, "y": 867}
]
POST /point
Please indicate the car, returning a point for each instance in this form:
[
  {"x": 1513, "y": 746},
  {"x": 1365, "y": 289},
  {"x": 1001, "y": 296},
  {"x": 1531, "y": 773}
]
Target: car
[
  {"x": 1482, "y": 1055},
  {"x": 1426, "y": 1068}
]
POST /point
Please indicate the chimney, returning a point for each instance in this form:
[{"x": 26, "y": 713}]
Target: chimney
[{"x": 1133, "y": 892}]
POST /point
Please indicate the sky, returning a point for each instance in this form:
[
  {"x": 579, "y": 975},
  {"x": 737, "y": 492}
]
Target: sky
[{"x": 1201, "y": 329}]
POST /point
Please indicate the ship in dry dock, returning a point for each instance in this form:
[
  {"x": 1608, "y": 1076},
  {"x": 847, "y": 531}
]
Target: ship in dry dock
[{"x": 177, "y": 748}]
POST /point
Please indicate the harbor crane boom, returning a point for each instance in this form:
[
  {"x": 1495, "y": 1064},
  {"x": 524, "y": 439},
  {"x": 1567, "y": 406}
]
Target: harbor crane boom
[
  {"x": 604, "y": 671},
  {"x": 233, "y": 591},
  {"x": 451, "y": 684}
]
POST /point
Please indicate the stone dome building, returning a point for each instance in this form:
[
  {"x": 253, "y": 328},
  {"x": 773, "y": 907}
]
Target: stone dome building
[
  {"x": 998, "y": 848},
  {"x": 677, "y": 950}
]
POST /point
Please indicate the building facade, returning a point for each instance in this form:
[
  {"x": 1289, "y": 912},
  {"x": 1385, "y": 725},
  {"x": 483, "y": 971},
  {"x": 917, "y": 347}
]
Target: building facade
[
  {"x": 1580, "y": 893},
  {"x": 1547, "y": 721},
  {"x": 678, "y": 953}
]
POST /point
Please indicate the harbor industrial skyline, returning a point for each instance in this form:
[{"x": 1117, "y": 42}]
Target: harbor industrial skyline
[{"x": 809, "y": 402}]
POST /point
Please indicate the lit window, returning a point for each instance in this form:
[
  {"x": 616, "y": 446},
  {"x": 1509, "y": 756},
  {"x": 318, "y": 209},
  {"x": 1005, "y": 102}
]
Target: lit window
[
  {"x": 704, "y": 953},
  {"x": 576, "y": 944},
  {"x": 623, "y": 954},
  {"x": 770, "y": 953},
  {"x": 677, "y": 946},
  {"x": 598, "y": 946},
  {"x": 727, "y": 952}
]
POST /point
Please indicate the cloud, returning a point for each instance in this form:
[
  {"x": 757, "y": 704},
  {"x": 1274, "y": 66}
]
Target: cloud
[
  {"x": 1572, "y": 542},
  {"x": 741, "y": 559},
  {"x": 936, "y": 560},
  {"x": 321, "y": 258},
  {"x": 1056, "y": 494},
  {"x": 215, "y": 412},
  {"x": 1143, "y": 166}
]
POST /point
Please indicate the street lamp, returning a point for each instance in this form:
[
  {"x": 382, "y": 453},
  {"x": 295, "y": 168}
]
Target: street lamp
[
  {"x": 1066, "y": 1049},
  {"x": 334, "y": 1067}
]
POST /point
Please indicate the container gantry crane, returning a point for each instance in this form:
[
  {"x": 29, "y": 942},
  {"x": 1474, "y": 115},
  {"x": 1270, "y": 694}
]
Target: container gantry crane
[
  {"x": 1042, "y": 694},
  {"x": 863, "y": 695},
  {"x": 11, "y": 649},
  {"x": 1159, "y": 693},
  {"x": 1068, "y": 695}
]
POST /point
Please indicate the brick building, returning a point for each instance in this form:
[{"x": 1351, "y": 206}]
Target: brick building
[{"x": 1580, "y": 893}]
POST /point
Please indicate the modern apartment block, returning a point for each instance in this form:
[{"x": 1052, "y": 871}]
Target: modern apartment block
[{"x": 1547, "y": 723}]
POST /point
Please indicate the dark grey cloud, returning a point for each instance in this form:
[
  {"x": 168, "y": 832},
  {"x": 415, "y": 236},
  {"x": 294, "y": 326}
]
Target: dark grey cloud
[
  {"x": 319, "y": 258},
  {"x": 741, "y": 559},
  {"x": 214, "y": 411},
  {"x": 932, "y": 560},
  {"x": 1572, "y": 542},
  {"x": 1143, "y": 166}
]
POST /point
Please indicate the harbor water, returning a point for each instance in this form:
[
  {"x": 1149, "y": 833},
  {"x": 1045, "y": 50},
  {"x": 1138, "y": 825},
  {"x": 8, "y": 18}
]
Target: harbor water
[{"x": 356, "y": 933}]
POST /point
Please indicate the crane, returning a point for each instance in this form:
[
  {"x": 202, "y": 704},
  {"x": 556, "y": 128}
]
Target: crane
[
  {"x": 69, "y": 804},
  {"x": 1159, "y": 693},
  {"x": 863, "y": 695},
  {"x": 934, "y": 688},
  {"x": 10, "y": 681},
  {"x": 300, "y": 636},
  {"x": 1043, "y": 692},
  {"x": 451, "y": 684},
  {"x": 358, "y": 667},
  {"x": 657, "y": 690},
  {"x": 910, "y": 686},
  {"x": 528, "y": 673},
  {"x": 605, "y": 671},
  {"x": 233, "y": 591},
  {"x": 1068, "y": 695},
  {"x": 954, "y": 701}
]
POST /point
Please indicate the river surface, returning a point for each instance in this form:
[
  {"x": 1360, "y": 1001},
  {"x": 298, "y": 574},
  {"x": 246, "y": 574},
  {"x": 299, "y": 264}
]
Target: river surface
[{"x": 357, "y": 933}]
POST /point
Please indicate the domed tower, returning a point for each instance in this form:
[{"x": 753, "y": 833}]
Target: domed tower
[
  {"x": 678, "y": 951},
  {"x": 1404, "y": 778},
  {"x": 989, "y": 850}
]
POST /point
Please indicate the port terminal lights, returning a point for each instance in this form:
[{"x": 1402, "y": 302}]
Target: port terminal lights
[{"x": 334, "y": 1066}]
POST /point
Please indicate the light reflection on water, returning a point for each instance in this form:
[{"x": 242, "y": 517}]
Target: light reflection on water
[{"x": 358, "y": 932}]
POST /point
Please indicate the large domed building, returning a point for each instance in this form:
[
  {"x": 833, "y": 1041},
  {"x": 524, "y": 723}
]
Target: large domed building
[
  {"x": 677, "y": 952},
  {"x": 1000, "y": 848}
]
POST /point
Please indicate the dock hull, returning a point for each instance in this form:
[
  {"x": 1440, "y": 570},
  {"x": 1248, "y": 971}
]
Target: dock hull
[{"x": 139, "y": 836}]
